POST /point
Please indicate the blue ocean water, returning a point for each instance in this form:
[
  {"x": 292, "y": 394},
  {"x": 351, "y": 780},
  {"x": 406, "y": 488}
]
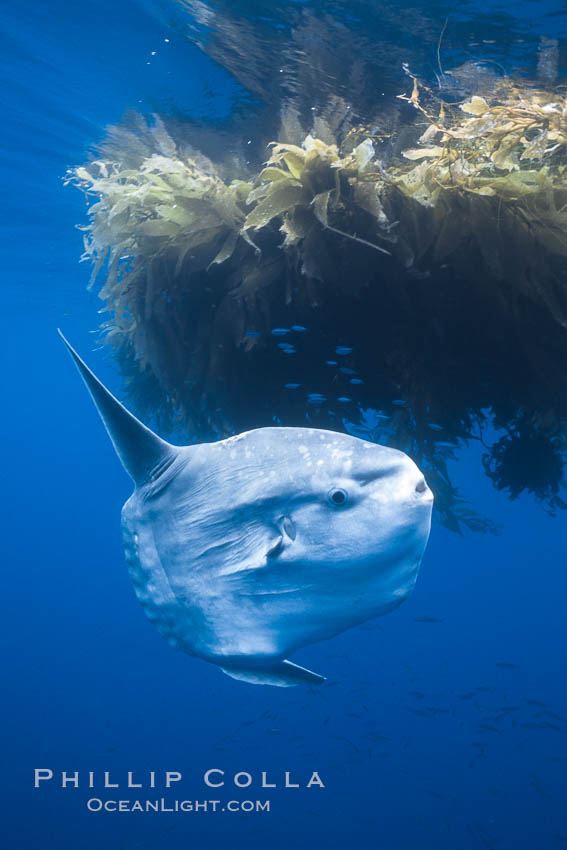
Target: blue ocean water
[{"x": 442, "y": 726}]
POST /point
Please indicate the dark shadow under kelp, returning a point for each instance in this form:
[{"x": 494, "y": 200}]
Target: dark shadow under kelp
[{"x": 411, "y": 299}]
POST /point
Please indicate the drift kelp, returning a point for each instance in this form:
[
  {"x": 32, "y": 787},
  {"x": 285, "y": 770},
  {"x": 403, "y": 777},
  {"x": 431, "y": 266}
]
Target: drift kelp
[
  {"x": 165, "y": 207},
  {"x": 190, "y": 259},
  {"x": 445, "y": 265},
  {"x": 492, "y": 173}
]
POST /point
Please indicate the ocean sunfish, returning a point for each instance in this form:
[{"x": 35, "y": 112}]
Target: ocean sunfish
[{"x": 244, "y": 550}]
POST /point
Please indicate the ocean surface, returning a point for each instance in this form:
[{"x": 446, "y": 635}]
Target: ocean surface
[{"x": 442, "y": 725}]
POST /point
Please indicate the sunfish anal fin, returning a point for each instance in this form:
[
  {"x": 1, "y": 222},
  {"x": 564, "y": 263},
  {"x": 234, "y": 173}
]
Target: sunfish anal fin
[{"x": 284, "y": 674}]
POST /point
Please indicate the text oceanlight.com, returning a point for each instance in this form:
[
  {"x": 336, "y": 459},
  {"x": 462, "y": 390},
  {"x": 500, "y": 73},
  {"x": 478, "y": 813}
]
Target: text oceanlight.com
[{"x": 95, "y": 804}]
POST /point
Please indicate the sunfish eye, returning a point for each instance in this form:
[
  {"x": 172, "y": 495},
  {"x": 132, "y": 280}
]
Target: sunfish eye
[{"x": 338, "y": 497}]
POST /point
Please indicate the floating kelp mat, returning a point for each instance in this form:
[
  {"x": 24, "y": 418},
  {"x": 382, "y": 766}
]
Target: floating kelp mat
[{"x": 439, "y": 275}]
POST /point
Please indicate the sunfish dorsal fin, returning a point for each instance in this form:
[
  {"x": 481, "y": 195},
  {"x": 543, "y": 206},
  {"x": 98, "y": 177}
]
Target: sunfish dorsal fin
[{"x": 140, "y": 450}]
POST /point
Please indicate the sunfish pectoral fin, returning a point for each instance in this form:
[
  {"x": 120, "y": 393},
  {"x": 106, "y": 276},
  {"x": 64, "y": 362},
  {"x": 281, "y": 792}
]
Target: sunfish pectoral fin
[
  {"x": 286, "y": 537},
  {"x": 284, "y": 674},
  {"x": 141, "y": 452}
]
